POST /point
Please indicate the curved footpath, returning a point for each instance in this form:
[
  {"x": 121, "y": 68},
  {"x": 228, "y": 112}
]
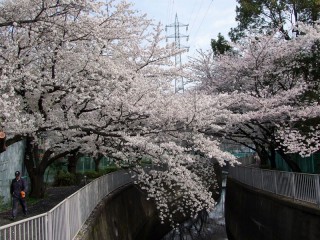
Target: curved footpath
[{"x": 54, "y": 196}]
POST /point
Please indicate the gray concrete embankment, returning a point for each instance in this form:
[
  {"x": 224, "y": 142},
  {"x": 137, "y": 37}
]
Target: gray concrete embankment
[{"x": 252, "y": 214}]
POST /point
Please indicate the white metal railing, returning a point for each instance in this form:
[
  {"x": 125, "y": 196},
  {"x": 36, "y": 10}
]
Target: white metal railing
[
  {"x": 298, "y": 186},
  {"x": 65, "y": 220}
]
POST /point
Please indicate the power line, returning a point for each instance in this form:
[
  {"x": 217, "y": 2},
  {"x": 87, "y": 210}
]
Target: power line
[
  {"x": 170, "y": 10},
  {"x": 197, "y": 12},
  {"x": 193, "y": 12},
  {"x": 204, "y": 17}
]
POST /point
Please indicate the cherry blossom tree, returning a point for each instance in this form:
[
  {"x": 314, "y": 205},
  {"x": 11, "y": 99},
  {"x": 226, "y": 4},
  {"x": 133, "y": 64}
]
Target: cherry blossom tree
[
  {"x": 94, "y": 77},
  {"x": 274, "y": 83}
]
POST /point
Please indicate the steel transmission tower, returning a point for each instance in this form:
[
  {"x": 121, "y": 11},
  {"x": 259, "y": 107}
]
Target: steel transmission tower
[{"x": 178, "y": 84}]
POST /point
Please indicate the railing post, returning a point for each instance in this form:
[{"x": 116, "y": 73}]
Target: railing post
[
  {"x": 317, "y": 186},
  {"x": 275, "y": 182},
  {"x": 49, "y": 226},
  {"x": 67, "y": 220},
  {"x": 293, "y": 184},
  {"x": 79, "y": 209}
]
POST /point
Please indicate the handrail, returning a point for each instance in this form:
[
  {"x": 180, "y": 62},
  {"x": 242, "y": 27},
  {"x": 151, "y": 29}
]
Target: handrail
[
  {"x": 65, "y": 220},
  {"x": 298, "y": 186}
]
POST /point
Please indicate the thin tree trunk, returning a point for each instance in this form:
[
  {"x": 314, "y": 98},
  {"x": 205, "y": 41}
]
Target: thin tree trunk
[
  {"x": 2, "y": 141},
  {"x": 293, "y": 165},
  {"x": 272, "y": 158},
  {"x": 97, "y": 161},
  {"x": 72, "y": 163}
]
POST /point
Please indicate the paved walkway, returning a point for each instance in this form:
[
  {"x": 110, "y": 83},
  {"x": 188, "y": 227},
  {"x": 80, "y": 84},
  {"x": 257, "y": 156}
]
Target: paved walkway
[{"x": 54, "y": 196}]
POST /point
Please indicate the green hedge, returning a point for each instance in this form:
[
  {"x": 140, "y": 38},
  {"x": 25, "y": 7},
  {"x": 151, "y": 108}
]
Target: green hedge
[{"x": 64, "y": 178}]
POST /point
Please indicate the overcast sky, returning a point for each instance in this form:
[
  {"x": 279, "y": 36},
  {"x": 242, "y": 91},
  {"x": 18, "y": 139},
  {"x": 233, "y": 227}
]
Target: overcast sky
[{"x": 206, "y": 18}]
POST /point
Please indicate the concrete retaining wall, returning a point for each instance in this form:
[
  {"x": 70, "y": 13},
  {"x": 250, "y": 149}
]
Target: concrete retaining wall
[
  {"x": 124, "y": 215},
  {"x": 251, "y": 214},
  {"x": 11, "y": 160}
]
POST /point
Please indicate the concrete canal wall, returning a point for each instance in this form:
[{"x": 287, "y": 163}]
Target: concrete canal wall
[
  {"x": 126, "y": 214},
  {"x": 251, "y": 214}
]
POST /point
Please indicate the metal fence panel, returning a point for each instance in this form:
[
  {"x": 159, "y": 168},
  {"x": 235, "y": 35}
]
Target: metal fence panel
[
  {"x": 284, "y": 186},
  {"x": 298, "y": 186},
  {"x": 268, "y": 181},
  {"x": 305, "y": 188},
  {"x": 65, "y": 220},
  {"x": 34, "y": 228}
]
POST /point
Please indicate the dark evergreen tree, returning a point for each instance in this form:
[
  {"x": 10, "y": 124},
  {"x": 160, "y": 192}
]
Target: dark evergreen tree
[
  {"x": 263, "y": 15},
  {"x": 220, "y": 46}
]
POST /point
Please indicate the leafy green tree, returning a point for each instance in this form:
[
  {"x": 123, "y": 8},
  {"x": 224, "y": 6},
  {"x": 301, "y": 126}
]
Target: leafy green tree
[
  {"x": 263, "y": 15},
  {"x": 220, "y": 46}
]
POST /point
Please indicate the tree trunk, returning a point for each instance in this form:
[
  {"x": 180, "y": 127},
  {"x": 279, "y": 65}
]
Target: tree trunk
[
  {"x": 96, "y": 165},
  {"x": 35, "y": 167},
  {"x": 294, "y": 166},
  {"x": 97, "y": 162},
  {"x": 272, "y": 158},
  {"x": 263, "y": 155},
  {"x": 2, "y": 141},
  {"x": 35, "y": 170},
  {"x": 37, "y": 185},
  {"x": 72, "y": 163}
]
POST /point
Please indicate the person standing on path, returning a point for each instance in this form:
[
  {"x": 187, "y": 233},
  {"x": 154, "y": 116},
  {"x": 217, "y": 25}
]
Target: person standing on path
[{"x": 18, "y": 192}]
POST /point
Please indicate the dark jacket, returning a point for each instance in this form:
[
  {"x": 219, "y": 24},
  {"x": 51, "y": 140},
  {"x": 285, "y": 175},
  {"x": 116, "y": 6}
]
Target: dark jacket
[{"x": 17, "y": 186}]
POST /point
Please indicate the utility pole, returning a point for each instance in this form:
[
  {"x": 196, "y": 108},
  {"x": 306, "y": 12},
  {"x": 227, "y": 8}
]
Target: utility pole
[{"x": 178, "y": 84}]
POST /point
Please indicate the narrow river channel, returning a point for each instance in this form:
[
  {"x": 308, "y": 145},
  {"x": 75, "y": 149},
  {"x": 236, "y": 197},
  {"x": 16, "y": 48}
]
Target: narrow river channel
[{"x": 213, "y": 226}]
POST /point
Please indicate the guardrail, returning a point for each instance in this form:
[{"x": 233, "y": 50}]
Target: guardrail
[
  {"x": 298, "y": 186},
  {"x": 65, "y": 220}
]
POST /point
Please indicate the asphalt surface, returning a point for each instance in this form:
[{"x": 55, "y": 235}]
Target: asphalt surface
[{"x": 54, "y": 196}]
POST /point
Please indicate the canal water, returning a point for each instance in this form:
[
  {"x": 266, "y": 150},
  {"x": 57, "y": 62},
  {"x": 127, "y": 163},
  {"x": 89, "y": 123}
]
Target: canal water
[{"x": 207, "y": 227}]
